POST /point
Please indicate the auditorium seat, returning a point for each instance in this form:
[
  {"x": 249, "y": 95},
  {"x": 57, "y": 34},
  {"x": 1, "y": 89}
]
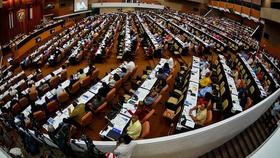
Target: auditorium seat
[
  {"x": 75, "y": 87},
  {"x": 23, "y": 102},
  {"x": 86, "y": 82},
  {"x": 86, "y": 119},
  {"x": 95, "y": 74},
  {"x": 110, "y": 96},
  {"x": 33, "y": 95},
  {"x": 157, "y": 101},
  {"x": 101, "y": 107},
  {"x": 52, "y": 106},
  {"x": 39, "y": 116},
  {"x": 146, "y": 128},
  {"x": 64, "y": 97},
  {"x": 54, "y": 82},
  {"x": 147, "y": 116}
]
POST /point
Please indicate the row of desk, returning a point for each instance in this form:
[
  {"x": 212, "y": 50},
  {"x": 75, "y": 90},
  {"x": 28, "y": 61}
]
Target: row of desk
[
  {"x": 82, "y": 99},
  {"x": 253, "y": 75},
  {"x": 186, "y": 121},
  {"x": 104, "y": 43},
  {"x": 267, "y": 72},
  {"x": 191, "y": 24},
  {"x": 89, "y": 36},
  {"x": 117, "y": 125},
  {"x": 148, "y": 32},
  {"x": 231, "y": 85}
]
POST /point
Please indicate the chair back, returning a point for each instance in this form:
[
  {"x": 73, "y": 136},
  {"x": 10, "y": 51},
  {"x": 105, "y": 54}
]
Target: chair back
[
  {"x": 157, "y": 101},
  {"x": 52, "y": 106},
  {"x": 39, "y": 116},
  {"x": 86, "y": 81},
  {"x": 63, "y": 75},
  {"x": 209, "y": 117},
  {"x": 54, "y": 82},
  {"x": 33, "y": 95},
  {"x": 146, "y": 128},
  {"x": 101, "y": 107},
  {"x": 126, "y": 76},
  {"x": 62, "y": 98},
  {"x": 95, "y": 74},
  {"x": 16, "y": 108},
  {"x": 75, "y": 87},
  {"x": 110, "y": 96},
  {"x": 148, "y": 115},
  {"x": 118, "y": 84},
  {"x": 86, "y": 119},
  {"x": 23, "y": 102}
]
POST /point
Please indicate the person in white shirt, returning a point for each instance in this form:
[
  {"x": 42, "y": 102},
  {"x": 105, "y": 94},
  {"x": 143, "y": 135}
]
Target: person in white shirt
[
  {"x": 59, "y": 90},
  {"x": 12, "y": 92},
  {"x": 130, "y": 66},
  {"x": 171, "y": 62},
  {"x": 124, "y": 147}
]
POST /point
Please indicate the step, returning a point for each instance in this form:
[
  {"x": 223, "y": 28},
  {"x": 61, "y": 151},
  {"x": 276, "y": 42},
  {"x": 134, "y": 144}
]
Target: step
[
  {"x": 261, "y": 130},
  {"x": 242, "y": 144},
  {"x": 247, "y": 141},
  {"x": 230, "y": 149},
  {"x": 210, "y": 154},
  {"x": 217, "y": 153},
  {"x": 237, "y": 149},
  {"x": 256, "y": 133},
  {"x": 224, "y": 151},
  {"x": 252, "y": 138}
]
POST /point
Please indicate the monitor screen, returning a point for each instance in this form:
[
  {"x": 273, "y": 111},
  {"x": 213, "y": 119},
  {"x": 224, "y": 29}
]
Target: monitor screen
[{"x": 80, "y": 5}]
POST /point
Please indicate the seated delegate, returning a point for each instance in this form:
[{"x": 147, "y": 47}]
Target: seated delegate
[
  {"x": 134, "y": 129},
  {"x": 201, "y": 113}
]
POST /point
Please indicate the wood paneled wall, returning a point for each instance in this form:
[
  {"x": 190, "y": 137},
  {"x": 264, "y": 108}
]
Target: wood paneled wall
[
  {"x": 11, "y": 8},
  {"x": 238, "y": 8}
]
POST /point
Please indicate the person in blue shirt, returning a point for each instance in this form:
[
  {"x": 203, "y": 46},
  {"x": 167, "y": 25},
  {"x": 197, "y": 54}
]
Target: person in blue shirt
[{"x": 166, "y": 68}]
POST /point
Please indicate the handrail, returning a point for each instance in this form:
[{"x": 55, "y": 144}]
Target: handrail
[
  {"x": 208, "y": 12},
  {"x": 255, "y": 31},
  {"x": 193, "y": 143}
]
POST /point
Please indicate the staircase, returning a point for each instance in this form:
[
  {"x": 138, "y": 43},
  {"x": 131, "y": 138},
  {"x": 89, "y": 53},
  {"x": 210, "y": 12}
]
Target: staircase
[{"x": 246, "y": 142}]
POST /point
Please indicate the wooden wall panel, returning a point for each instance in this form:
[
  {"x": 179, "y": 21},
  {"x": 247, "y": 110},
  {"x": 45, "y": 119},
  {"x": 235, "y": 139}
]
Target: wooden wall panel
[
  {"x": 228, "y": 5},
  {"x": 255, "y": 13},
  {"x": 215, "y": 3},
  {"x": 222, "y": 4},
  {"x": 246, "y": 10},
  {"x": 26, "y": 25},
  {"x": 237, "y": 8}
]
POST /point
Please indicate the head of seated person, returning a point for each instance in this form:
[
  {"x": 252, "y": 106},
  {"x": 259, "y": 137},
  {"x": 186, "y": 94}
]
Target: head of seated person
[
  {"x": 161, "y": 75},
  {"x": 201, "y": 113},
  {"x": 160, "y": 85},
  {"x": 123, "y": 72},
  {"x": 206, "y": 80},
  {"x": 150, "y": 99},
  {"x": 166, "y": 68}
]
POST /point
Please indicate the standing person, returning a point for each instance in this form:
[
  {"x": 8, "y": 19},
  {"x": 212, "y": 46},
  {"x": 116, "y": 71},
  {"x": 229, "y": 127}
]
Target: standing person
[{"x": 124, "y": 147}]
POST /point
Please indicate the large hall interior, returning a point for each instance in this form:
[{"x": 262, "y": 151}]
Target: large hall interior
[{"x": 139, "y": 78}]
